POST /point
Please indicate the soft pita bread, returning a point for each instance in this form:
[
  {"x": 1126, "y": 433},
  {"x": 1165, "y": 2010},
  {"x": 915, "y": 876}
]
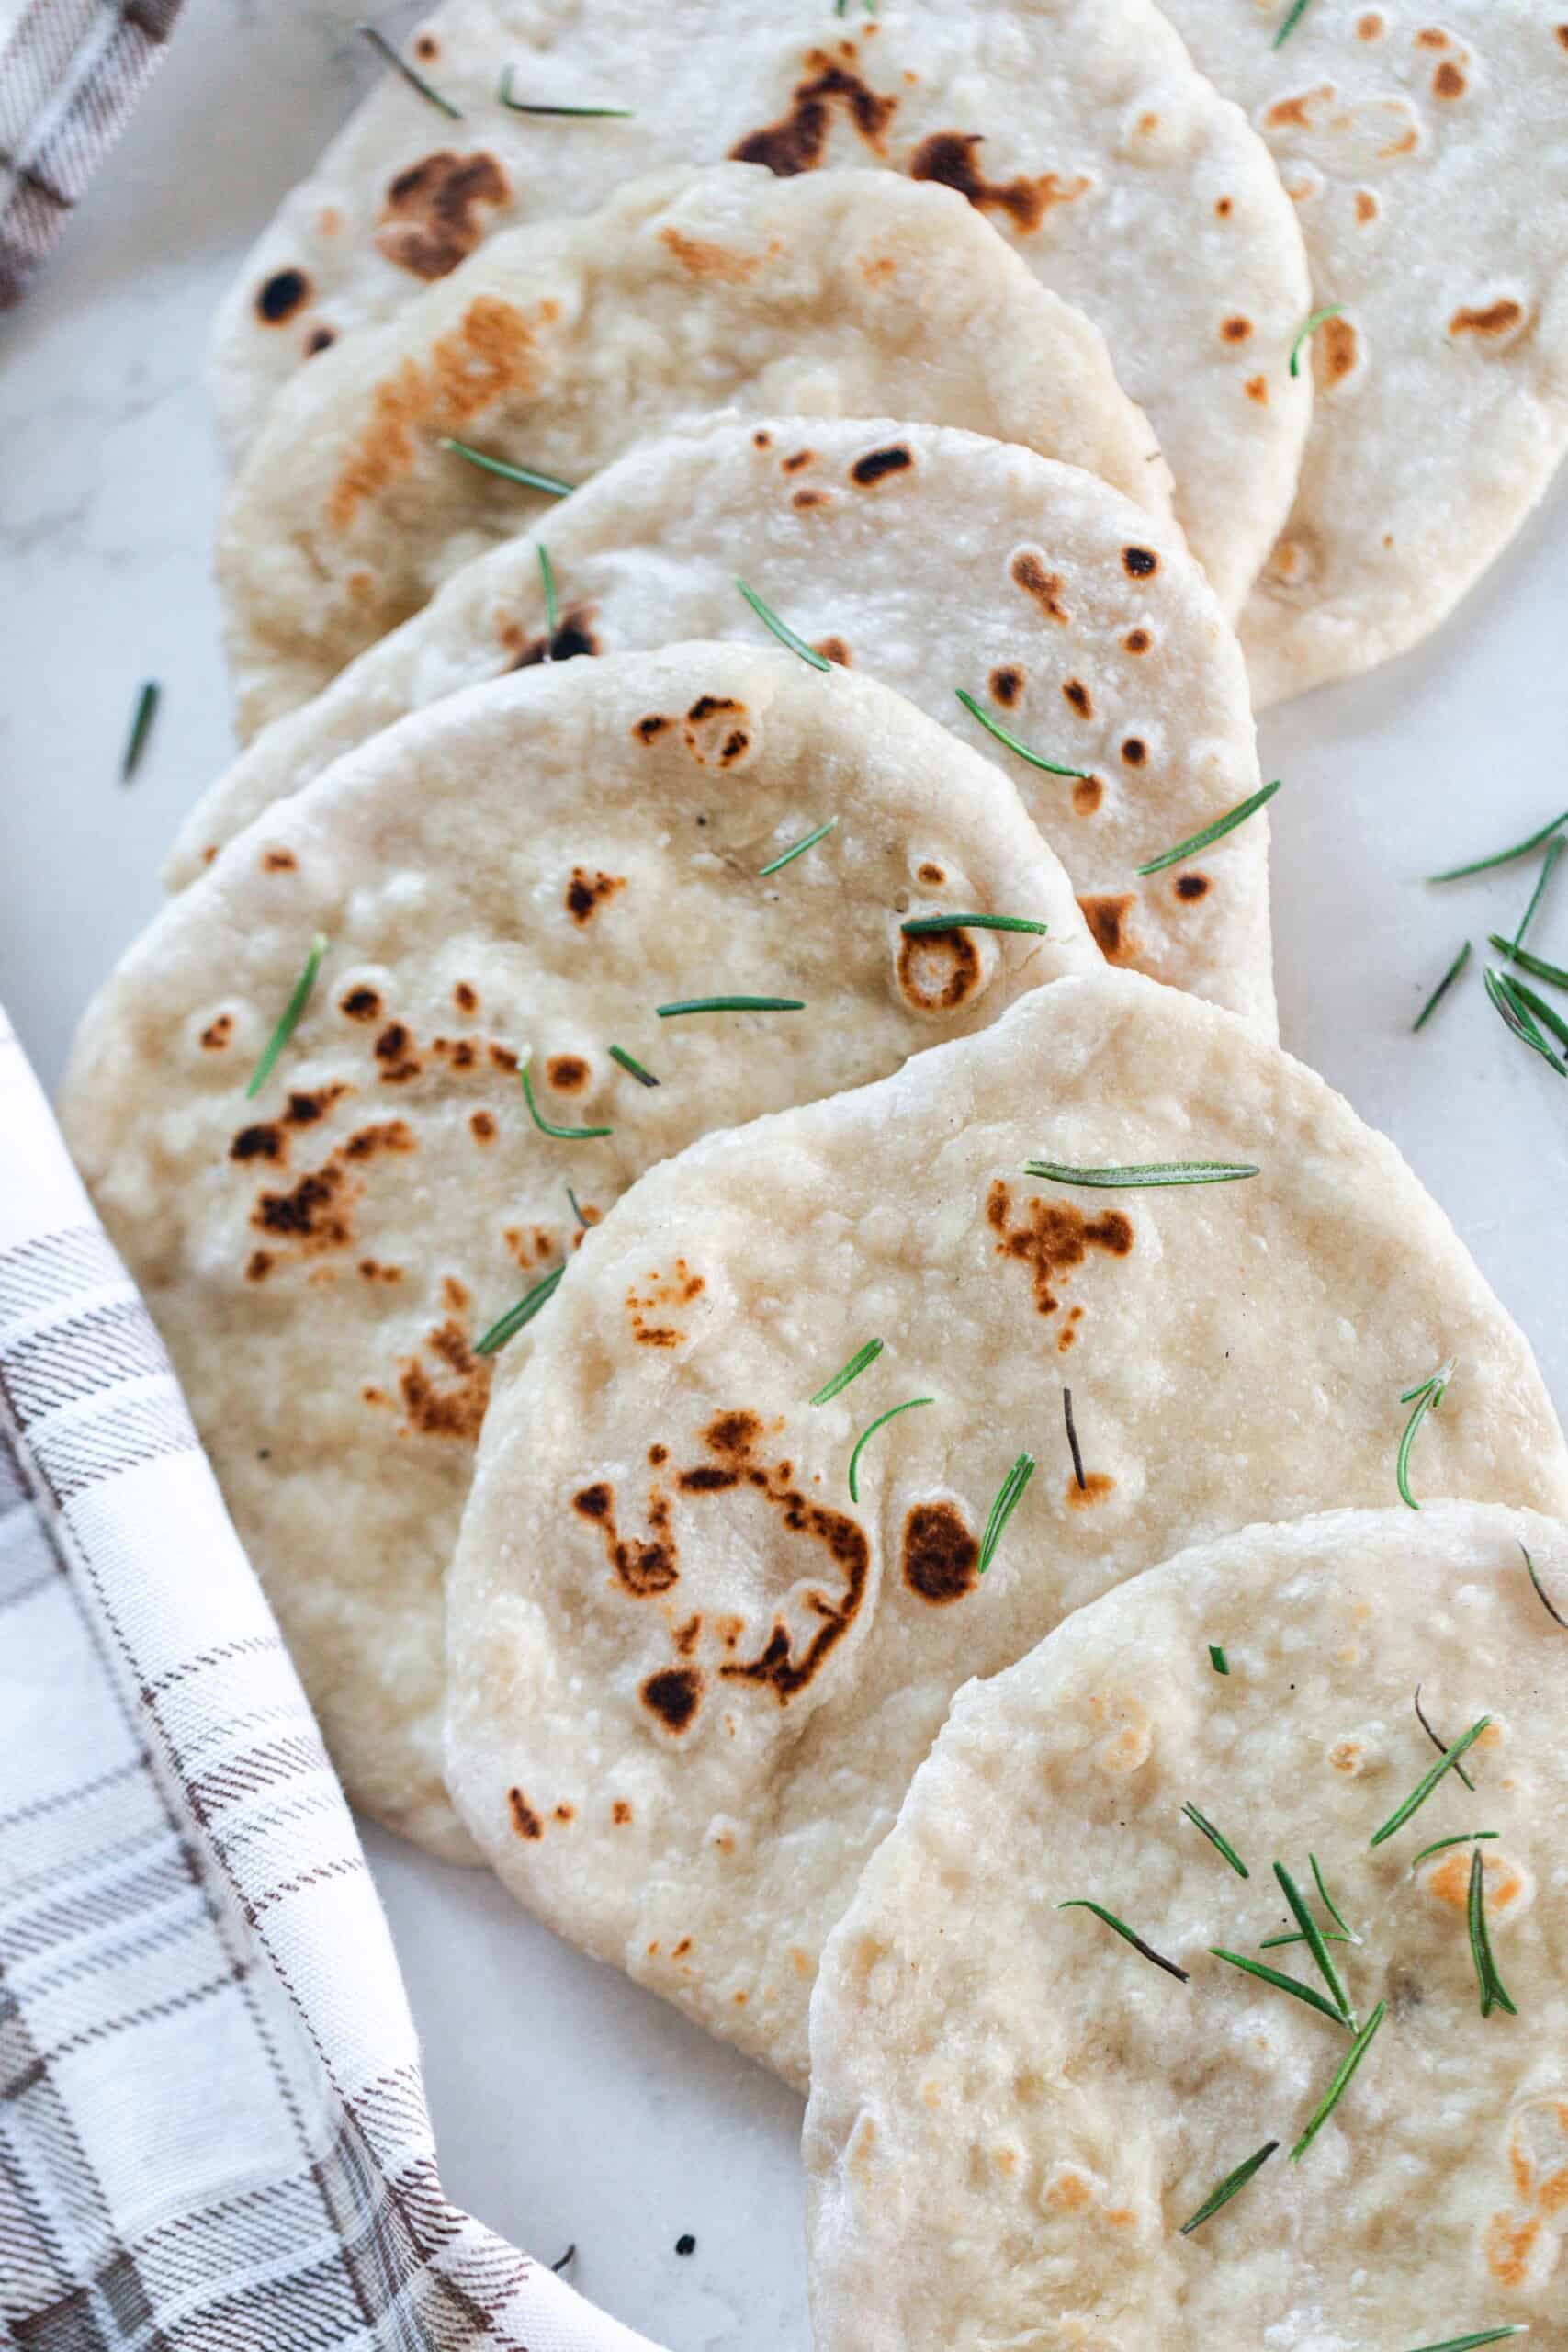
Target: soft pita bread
[
  {"x": 1079, "y": 128},
  {"x": 558, "y": 347},
  {"x": 929, "y": 557},
  {"x": 1428, "y": 156},
  {"x": 536, "y": 865},
  {"x": 1012, "y": 2114},
  {"x": 665, "y": 1614}
]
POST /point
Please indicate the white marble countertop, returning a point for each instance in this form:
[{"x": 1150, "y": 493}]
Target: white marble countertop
[{"x": 569, "y": 2106}]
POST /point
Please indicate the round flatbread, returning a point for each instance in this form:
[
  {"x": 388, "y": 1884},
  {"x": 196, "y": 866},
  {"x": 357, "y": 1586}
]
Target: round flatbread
[
  {"x": 929, "y": 557},
  {"x": 690, "y": 1676},
  {"x": 534, "y": 866},
  {"x": 1017, "y": 2119},
  {"x": 1077, "y": 128},
  {"x": 558, "y": 347},
  {"x": 1427, "y": 156}
]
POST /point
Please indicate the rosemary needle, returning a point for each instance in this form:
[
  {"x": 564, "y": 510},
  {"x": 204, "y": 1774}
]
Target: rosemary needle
[
  {"x": 1342, "y": 2082},
  {"x": 928, "y": 926},
  {"x": 1493, "y": 1992},
  {"x": 781, "y": 629},
  {"x": 1473, "y": 2343},
  {"x": 1215, "y": 832},
  {"x": 1009, "y": 1494},
  {"x": 1524, "y": 999},
  {"x": 1298, "y": 11},
  {"x": 142, "y": 719},
  {"x": 1081, "y": 1902},
  {"x": 1554, "y": 850},
  {"x": 1419, "y": 1795},
  {"x": 1440, "y": 991},
  {"x": 292, "y": 1013},
  {"x": 1218, "y": 1659},
  {"x": 508, "y": 1325},
  {"x": 1536, "y": 966},
  {"x": 1441, "y": 1846},
  {"x": 731, "y": 1004},
  {"x": 1220, "y": 1844},
  {"x": 1228, "y": 2187},
  {"x": 529, "y": 476},
  {"x": 1504, "y": 994},
  {"x": 1073, "y": 1446},
  {"x": 548, "y": 1126},
  {"x": 858, "y": 1363},
  {"x": 1440, "y": 1744},
  {"x": 525, "y": 105},
  {"x": 400, "y": 65},
  {"x": 1318, "y": 317},
  {"x": 552, "y": 609},
  {"x": 994, "y": 726},
  {"x": 1555, "y": 1614},
  {"x": 788, "y": 856},
  {"x": 892, "y": 1414},
  {"x": 1330, "y": 1906},
  {"x": 629, "y": 1063},
  {"x": 1502, "y": 856},
  {"x": 1169, "y": 1172},
  {"x": 1291, "y": 1985},
  {"x": 1311, "y": 1935},
  {"x": 1425, "y": 1398}
]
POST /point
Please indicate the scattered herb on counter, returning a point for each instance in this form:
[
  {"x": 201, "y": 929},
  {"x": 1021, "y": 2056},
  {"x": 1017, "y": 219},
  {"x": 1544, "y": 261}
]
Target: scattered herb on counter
[
  {"x": 781, "y": 629},
  {"x": 1221, "y": 1845},
  {"x": 507, "y": 1326},
  {"x": 1440, "y": 991},
  {"x": 1081, "y": 1902},
  {"x": 932, "y": 926},
  {"x": 1526, "y": 1000},
  {"x": 1003, "y": 735},
  {"x": 1502, "y": 856},
  {"x": 1073, "y": 1447},
  {"x": 633, "y": 1069},
  {"x": 1555, "y": 848},
  {"x": 1342, "y": 2082},
  {"x": 142, "y": 719},
  {"x": 1555, "y": 1614},
  {"x": 529, "y": 476},
  {"x": 1228, "y": 2187},
  {"x": 857, "y": 1363},
  {"x": 1215, "y": 832},
  {"x": 1536, "y": 966},
  {"x": 533, "y": 106},
  {"x": 1425, "y": 1398},
  {"x": 400, "y": 65},
  {"x": 1516, "y": 1015},
  {"x": 788, "y": 856},
  {"x": 1009, "y": 1494},
  {"x": 731, "y": 1004},
  {"x": 1318, "y": 317},
  {"x": 1169, "y": 1171},
  {"x": 1493, "y": 1992},
  {"x": 562, "y": 2260},
  {"x": 881, "y": 1422},
  {"x": 1437, "y": 1739},
  {"x": 1419, "y": 1794},
  {"x": 293, "y": 1011}
]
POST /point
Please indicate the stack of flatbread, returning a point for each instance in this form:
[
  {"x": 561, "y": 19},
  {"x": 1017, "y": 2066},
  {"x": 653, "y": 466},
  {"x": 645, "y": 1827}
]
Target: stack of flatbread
[{"x": 704, "y": 1124}]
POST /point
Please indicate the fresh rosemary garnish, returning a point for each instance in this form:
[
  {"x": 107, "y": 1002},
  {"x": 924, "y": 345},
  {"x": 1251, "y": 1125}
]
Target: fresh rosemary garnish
[
  {"x": 1536, "y": 966},
  {"x": 1311, "y": 1935},
  {"x": 1081, "y": 1902},
  {"x": 851, "y": 1371},
  {"x": 1473, "y": 2343},
  {"x": 781, "y": 629},
  {"x": 1554, "y": 850},
  {"x": 552, "y": 608},
  {"x": 1215, "y": 832},
  {"x": 1291, "y": 1985},
  {"x": 1462, "y": 1837},
  {"x": 1555, "y": 1614},
  {"x": 629, "y": 1063},
  {"x": 1227, "y": 2188},
  {"x": 1298, "y": 10},
  {"x": 994, "y": 726},
  {"x": 928, "y": 926},
  {"x": 577, "y": 1211},
  {"x": 1502, "y": 856},
  {"x": 400, "y": 65},
  {"x": 1329, "y": 1905},
  {"x": 292, "y": 1013},
  {"x": 731, "y": 1004},
  {"x": 1073, "y": 1446},
  {"x": 1525, "y": 1001},
  {"x": 1009, "y": 1494},
  {"x": 1418, "y": 1796},
  {"x": 1504, "y": 994},
  {"x": 1318, "y": 317},
  {"x": 1440, "y": 991},
  {"x": 1437, "y": 1739},
  {"x": 528, "y": 105},
  {"x": 142, "y": 719},
  {"x": 548, "y": 1126},
  {"x": 1493, "y": 1992},
  {"x": 1116, "y": 1180},
  {"x": 1342, "y": 2082},
  {"x": 1221, "y": 1845},
  {"x": 788, "y": 856},
  {"x": 1218, "y": 1659},
  {"x": 881, "y": 1422},
  {"x": 529, "y": 476},
  {"x": 1425, "y": 1398},
  {"x": 508, "y": 1325}
]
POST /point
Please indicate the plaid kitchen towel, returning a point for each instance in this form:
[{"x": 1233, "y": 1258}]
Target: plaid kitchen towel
[
  {"x": 213, "y": 2134},
  {"x": 70, "y": 73}
]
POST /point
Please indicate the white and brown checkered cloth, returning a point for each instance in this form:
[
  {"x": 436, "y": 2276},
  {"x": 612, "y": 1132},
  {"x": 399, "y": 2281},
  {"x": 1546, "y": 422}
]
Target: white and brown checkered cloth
[{"x": 213, "y": 2134}]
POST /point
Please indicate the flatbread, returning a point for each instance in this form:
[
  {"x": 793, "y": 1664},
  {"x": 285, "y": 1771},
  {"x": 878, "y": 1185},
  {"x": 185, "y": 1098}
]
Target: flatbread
[
  {"x": 1078, "y": 128},
  {"x": 559, "y": 345},
  {"x": 1012, "y": 2114},
  {"x": 669, "y": 1622},
  {"x": 1428, "y": 156},
  {"x": 534, "y": 865},
  {"x": 935, "y": 559}
]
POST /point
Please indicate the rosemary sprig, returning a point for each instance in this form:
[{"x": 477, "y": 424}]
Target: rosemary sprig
[
  {"x": 1318, "y": 317},
  {"x": 1438, "y": 1741},
  {"x": 400, "y": 65},
  {"x": 781, "y": 629},
  {"x": 507, "y": 1326},
  {"x": 1462, "y": 1837},
  {"x": 1291, "y": 1985},
  {"x": 1554, "y": 850},
  {"x": 1493, "y": 1992},
  {"x": 858, "y": 1363},
  {"x": 629, "y": 1063},
  {"x": 1215, "y": 832},
  {"x": 1232, "y": 2183},
  {"x": 1556, "y": 1615},
  {"x": 731, "y": 1004},
  {"x": 1332, "y": 1908},
  {"x": 1516, "y": 1015},
  {"x": 1081, "y": 1902},
  {"x": 1342, "y": 2082},
  {"x": 788, "y": 856},
  {"x": 1073, "y": 1446},
  {"x": 1473, "y": 2343},
  {"x": 142, "y": 719},
  {"x": 1536, "y": 966},
  {"x": 1440, "y": 991},
  {"x": 1425, "y": 1398},
  {"x": 1419, "y": 1795},
  {"x": 552, "y": 607},
  {"x": 1297, "y": 12},
  {"x": 529, "y": 476},
  {"x": 528, "y": 106},
  {"x": 1218, "y": 1659},
  {"x": 1116, "y": 1179},
  {"x": 548, "y": 1126},
  {"x": 928, "y": 926},
  {"x": 994, "y": 726},
  {"x": 292, "y": 1013},
  {"x": 1502, "y": 856},
  {"x": 1009, "y": 1494},
  {"x": 1311, "y": 1935},
  {"x": 882, "y": 1419},
  {"x": 1221, "y": 1845}
]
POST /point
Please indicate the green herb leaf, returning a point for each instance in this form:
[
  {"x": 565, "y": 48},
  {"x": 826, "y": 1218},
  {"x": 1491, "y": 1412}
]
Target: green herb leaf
[
  {"x": 400, "y": 65},
  {"x": 1555, "y": 1614},
  {"x": 1228, "y": 2187},
  {"x": 1504, "y": 995},
  {"x": 530, "y": 478},
  {"x": 1275, "y": 1943},
  {"x": 1297, "y": 11},
  {"x": 1073, "y": 1446},
  {"x": 1493, "y": 1992},
  {"x": 1439, "y": 1742},
  {"x": 292, "y": 1012},
  {"x": 1418, "y": 1796},
  {"x": 1311, "y": 1935},
  {"x": 857, "y": 1363},
  {"x": 731, "y": 1004},
  {"x": 1502, "y": 856},
  {"x": 1318, "y": 317},
  {"x": 1332, "y": 1908},
  {"x": 142, "y": 719},
  {"x": 1425, "y": 1398},
  {"x": 1536, "y": 966},
  {"x": 548, "y": 1126},
  {"x": 1215, "y": 832},
  {"x": 1342, "y": 2082},
  {"x": 576, "y": 1209},
  {"x": 1291, "y": 1985},
  {"x": 881, "y": 1422},
  {"x": 526, "y": 105},
  {"x": 994, "y": 726},
  {"x": 1462, "y": 1837},
  {"x": 1122, "y": 1179},
  {"x": 1009, "y": 1494},
  {"x": 1554, "y": 850},
  {"x": 1221, "y": 1845},
  {"x": 552, "y": 608},
  {"x": 788, "y": 856},
  {"x": 1218, "y": 1659},
  {"x": 926, "y": 926},
  {"x": 781, "y": 629},
  {"x": 1525, "y": 1002},
  {"x": 1440, "y": 991},
  {"x": 508, "y": 1325},
  {"x": 629, "y": 1063},
  {"x": 1473, "y": 2343},
  {"x": 1081, "y": 1902}
]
